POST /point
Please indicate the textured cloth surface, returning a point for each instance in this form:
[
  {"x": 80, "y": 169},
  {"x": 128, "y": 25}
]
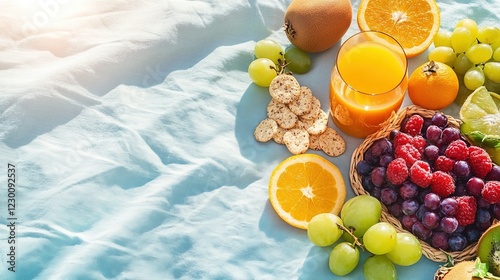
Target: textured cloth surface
[{"x": 130, "y": 125}]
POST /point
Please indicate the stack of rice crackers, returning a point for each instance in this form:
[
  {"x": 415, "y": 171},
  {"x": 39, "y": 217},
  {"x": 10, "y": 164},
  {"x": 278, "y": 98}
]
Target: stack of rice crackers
[{"x": 295, "y": 119}]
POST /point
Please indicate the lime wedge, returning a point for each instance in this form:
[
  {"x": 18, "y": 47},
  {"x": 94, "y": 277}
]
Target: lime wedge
[{"x": 480, "y": 115}]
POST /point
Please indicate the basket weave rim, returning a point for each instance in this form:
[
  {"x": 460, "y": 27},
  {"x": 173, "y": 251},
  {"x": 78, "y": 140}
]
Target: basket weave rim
[{"x": 394, "y": 122}]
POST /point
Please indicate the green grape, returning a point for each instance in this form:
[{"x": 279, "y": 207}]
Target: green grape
[
  {"x": 496, "y": 55},
  {"x": 492, "y": 71},
  {"x": 408, "y": 250},
  {"x": 298, "y": 61},
  {"x": 360, "y": 212},
  {"x": 343, "y": 259},
  {"x": 479, "y": 53},
  {"x": 322, "y": 229},
  {"x": 474, "y": 78},
  {"x": 488, "y": 34},
  {"x": 462, "y": 64},
  {"x": 461, "y": 39},
  {"x": 495, "y": 45},
  {"x": 268, "y": 48},
  {"x": 379, "y": 267},
  {"x": 380, "y": 238},
  {"x": 469, "y": 24},
  {"x": 443, "y": 54},
  {"x": 262, "y": 71},
  {"x": 442, "y": 38}
]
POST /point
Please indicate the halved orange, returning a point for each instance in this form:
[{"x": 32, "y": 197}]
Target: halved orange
[
  {"x": 305, "y": 185},
  {"x": 413, "y": 23}
]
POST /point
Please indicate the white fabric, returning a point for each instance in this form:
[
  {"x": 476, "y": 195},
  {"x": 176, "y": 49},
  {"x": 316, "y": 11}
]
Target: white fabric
[{"x": 130, "y": 125}]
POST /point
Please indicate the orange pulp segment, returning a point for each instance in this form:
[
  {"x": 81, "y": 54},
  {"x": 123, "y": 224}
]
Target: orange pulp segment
[
  {"x": 305, "y": 185},
  {"x": 413, "y": 23}
]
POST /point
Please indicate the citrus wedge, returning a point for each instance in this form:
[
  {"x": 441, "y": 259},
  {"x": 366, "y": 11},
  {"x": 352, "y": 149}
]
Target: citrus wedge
[
  {"x": 480, "y": 115},
  {"x": 305, "y": 185},
  {"x": 413, "y": 23}
]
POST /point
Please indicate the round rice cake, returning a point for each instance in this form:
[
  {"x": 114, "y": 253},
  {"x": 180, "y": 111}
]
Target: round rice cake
[
  {"x": 284, "y": 88},
  {"x": 296, "y": 140},
  {"x": 319, "y": 125},
  {"x": 332, "y": 143},
  {"x": 265, "y": 130},
  {"x": 315, "y": 110},
  {"x": 303, "y": 104},
  {"x": 281, "y": 114}
]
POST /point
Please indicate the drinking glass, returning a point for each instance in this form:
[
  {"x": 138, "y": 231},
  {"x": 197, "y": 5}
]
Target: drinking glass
[{"x": 368, "y": 82}]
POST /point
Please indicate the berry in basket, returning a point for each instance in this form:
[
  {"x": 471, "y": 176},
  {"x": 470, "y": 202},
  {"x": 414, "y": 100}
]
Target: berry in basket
[{"x": 432, "y": 181}]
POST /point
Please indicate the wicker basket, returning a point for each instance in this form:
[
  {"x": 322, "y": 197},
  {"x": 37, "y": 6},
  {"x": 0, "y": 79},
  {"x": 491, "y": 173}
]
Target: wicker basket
[{"x": 395, "y": 123}]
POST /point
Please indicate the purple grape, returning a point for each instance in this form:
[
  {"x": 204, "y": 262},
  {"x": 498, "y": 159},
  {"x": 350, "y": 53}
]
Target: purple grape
[
  {"x": 378, "y": 176},
  {"x": 449, "y": 206},
  {"x": 494, "y": 174},
  {"x": 381, "y": 146},
  {"x": 430, "y": 220},
  {"x": 421, "y": 211},
  {"x": 410, "y": 206},
  {"x": 419, "y": 230},
  {"x": 439, "y": 240},
  {"x": 367, "y": 184},
  {"x": 376, "y": 192},
  {"x": 483, "y": 226},
  {"x": 474, "y": 186},
  {"x": 396, "y": 210},
  {"x": 408, "y": 190},
  {"x": 433, "y": 133},
  {"x": 483, "y": 215},
  {"x": 363, "y": 167},
  {"x": 388, "y": 196},
  {"x": 450, "y": 134},
  {"x": 431, "y": 152},
  {"x": 448, "y": 224},
  {"x": 370, "y": 157},
  {"x": 460, "y": 229},
  {"x": 461, "y": 168},
  {"x": 457, "y": 242},
  {"x": 482, "y": 203},
  {"x": 385, "y": 159},
  {"x": 472, "y": 235},
  {"x": 407, "y": 221},
  {"x": 496, "y": 211},
  {"x": 393, "y": 134},
  {"x": 459, "y": 187},
  {"x": 439, "y": 119},
  {"x": 432, "y": 201}
]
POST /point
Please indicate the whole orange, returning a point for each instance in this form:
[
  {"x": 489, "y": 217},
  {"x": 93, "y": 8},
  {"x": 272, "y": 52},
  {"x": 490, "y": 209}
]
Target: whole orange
[{"x": 433, "y": 85}]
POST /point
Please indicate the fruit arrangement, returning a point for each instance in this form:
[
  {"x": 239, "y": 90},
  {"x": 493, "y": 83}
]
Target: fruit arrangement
[
  {"x": 431, "y": 181},
  {"x": 472, "y": 51},
  {"x": 361, "y": 231}
]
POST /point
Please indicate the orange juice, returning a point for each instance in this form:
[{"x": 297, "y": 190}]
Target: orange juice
[{"x": 367, "y": 85}]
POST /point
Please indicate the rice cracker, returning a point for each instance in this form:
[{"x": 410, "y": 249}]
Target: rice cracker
[
  {"x": 303, "y": 104},
  {"x": 332, "y": 143},
  {"x": 284, "y": 88},
  {"x": 296, "y": 140},
  {"x": 265, "y": 130},
  {"x": 315, "y": 110},
  {"x": 281, "y": 114}
]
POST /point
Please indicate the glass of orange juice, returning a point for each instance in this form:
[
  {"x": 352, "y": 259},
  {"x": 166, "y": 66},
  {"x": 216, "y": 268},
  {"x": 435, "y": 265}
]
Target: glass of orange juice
[{"x": 368, "y": 82}]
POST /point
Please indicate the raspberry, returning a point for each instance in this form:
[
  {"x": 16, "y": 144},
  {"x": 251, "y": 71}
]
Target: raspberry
[
  {"x": 407, "y": 152},
  {"x": 467, "y": 208},
  {"x": 457, "y": 150},
  {"x": 491, "y": 192},
  {"x": 397, "y": 172},
  {"x": 480, "y": 161},
  {"x": 442, "y": 184},
  {"x": 402, "y": 138},
  {"x": 442, "y": 163},
  {"x": 420, "y": 143},
  {"x": 414, "y": 125},
  {"x": 420, "y": 174}
]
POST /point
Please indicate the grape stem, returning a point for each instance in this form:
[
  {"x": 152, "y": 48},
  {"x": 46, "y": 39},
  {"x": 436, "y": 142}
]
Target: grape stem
[
  {"x": 282, "y": 64},
  {"x": 350, "y": 231}
]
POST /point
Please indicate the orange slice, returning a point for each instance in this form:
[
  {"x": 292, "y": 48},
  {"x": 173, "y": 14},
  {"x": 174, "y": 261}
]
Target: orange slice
[
  {"x": 413, "y": 23},
  {"x": 305, "y": 185}
]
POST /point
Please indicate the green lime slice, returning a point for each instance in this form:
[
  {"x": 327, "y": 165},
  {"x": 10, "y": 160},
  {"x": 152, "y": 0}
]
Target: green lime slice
[{"x": 480, "y": 115}]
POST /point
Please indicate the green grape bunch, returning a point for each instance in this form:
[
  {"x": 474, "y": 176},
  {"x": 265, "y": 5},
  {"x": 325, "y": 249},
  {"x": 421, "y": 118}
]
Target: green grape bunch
[{"x": 472, "y": 51}]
